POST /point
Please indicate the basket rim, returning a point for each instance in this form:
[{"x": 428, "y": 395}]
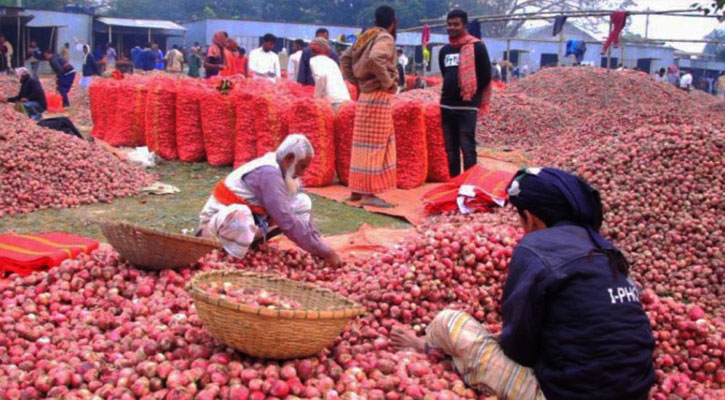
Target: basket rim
[
  {"x": 151, "y": 231},
  {"x": 351, "y": 310}
]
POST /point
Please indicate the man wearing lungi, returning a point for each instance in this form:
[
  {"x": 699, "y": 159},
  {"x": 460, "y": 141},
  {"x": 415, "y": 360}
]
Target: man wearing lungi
[
  {"x": 573, "y": 324},
  {"x": 371, "y": 65},
  {"x": 261, "y": 195}
]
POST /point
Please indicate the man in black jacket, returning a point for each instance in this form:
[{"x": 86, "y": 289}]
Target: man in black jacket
[
  {"x": 466, "y": 71},
  {"x": 31, "y": 95},
  {"x": 64, "y": 72},
  {"x": 304, "y": 73}
]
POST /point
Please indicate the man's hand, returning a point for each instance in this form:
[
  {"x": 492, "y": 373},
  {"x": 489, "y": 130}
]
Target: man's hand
[
  {"x": 3, "y": 100},
  {"x": 332, "y": 259}
]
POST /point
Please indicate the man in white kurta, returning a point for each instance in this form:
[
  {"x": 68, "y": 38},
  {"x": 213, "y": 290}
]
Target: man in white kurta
[{"x": 264, "y": 62}]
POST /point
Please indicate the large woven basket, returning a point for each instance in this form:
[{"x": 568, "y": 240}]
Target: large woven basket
[
  {"x": 272, "y": 333},
  {"x": 152, "y": 249}
]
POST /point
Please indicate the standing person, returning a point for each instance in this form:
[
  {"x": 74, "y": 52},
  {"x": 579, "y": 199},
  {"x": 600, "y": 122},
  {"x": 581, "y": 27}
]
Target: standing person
[
  {"x": 304, "y": 74},
  {"x": 466, "y": 71},
  {"x": 673, "y": 78},
  {"x": 371, "y": 65},
  {"x": 174, "y": 60},
  {"x": 294, "y": 60},
  {"x": 147, "y": 58},
  {"x": 31, "y": 95},
  {"x": 329, "y": 83},
  {"x": 159, "y": 57},
  {"x": 136, "y": 56},
  {"x": 3, "y": 51},
  {"x": 263, "y": 61},
  {"x": 195, "y": 63},
  {"x": 65, "y": 51},
  {"x": 230, "y": 63},
  {"x": 196, "y": 47},
  {"x": 525, "y": 70},
  {"x": 720, "y": 86},
  {"x": 9, "y": 56},
  {"x": 34, "y": 57},
  {"x": 573, "y": 324},
  {"x": 402, "y": 59},
  {"x": 90, "y": 67},
  {"x": 241, "y": 62},
  {"x": 686, "y": 81},
  {"x": 9, "y": 51},
  {"x": 111, "y": 56},
  {"x": 214, "y": 62},
  {"x": 661, "y": 75},
  {"x": 64, "y": 72}
]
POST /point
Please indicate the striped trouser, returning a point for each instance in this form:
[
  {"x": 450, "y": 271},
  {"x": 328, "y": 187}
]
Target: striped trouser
[{"x": 479, "y": 359}]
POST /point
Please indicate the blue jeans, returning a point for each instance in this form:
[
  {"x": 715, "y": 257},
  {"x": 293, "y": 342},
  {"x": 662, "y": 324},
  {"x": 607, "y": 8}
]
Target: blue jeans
[
  {"x": 64, "y": 84},
  {"x": 33, "y": 110}
]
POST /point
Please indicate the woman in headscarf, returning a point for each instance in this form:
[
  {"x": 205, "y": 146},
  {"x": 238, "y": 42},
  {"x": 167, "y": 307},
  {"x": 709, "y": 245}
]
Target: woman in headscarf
[
  {"x": 214, "y": 62},
  {"x": 573, "y": 325}
]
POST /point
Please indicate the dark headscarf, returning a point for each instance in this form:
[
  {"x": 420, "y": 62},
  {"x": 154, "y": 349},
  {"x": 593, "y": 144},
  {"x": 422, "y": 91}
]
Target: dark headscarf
[{"x": 554, "y": 196}]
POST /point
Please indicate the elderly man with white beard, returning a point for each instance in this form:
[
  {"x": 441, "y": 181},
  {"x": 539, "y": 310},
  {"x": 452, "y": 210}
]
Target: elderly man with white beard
[{"x": 262, "y": 194}]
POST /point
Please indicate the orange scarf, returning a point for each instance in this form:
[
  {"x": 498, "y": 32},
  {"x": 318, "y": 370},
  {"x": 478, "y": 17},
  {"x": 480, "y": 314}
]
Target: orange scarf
[
  {"x": 467, "y": 70},
  {"x": 226, "y": 196}
]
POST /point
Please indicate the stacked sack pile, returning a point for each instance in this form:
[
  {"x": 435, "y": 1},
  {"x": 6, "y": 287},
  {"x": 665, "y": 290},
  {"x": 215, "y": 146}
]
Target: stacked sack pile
[{"x": 232, "y": 120}]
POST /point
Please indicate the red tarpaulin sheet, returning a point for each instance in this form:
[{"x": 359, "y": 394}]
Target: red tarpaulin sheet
[
  {"x": 480, "y": 188},
  {"x": 24, "y": 254}
]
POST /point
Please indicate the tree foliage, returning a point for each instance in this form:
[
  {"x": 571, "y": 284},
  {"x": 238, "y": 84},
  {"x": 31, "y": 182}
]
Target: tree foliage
[{"x": 718, "y": 50}]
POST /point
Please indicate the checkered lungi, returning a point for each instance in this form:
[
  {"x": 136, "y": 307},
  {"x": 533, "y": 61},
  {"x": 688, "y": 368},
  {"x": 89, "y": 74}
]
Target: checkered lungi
[
  {"x": 373, "y": 161},
  {"x": 479, "y": 359}
]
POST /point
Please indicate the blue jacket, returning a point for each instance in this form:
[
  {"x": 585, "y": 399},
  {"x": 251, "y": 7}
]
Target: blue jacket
[
  {"x": 147, "y": 59},
  {"x": 570, "y": 318},
  {"x": 90, "y": 67},
  {"x": 135, "y": 57}
]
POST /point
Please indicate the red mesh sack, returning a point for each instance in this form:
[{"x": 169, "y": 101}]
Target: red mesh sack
[
  {"x": 409, "y": 82},
  {"x": 161, "y": 119},
  {"x": 218, "y": 126},
  {"x": 245, "y": 148},
  {"x": 315, "y": 119},
  {"x": 410, "y": 140},
  {"x": 123, "y": 125},
  {"x": 189, "y": 136},
  {"x": 433, "y": 80},
  {"x": 267, "y": 124},
  {"x": 344, "y": 124},
  {"x": 97, "y": 94},
  {"x": 437, "y": 158}
]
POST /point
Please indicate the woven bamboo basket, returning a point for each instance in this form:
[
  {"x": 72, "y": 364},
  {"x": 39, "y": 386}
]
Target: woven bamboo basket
[
  {"x": 272, "y": 333},
  {"x": 152, "y": 249}
]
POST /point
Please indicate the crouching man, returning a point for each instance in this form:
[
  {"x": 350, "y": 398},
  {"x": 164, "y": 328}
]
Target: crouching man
[
  {"x": 573, "y": 326},
  {"x": 263, "y": 195}
]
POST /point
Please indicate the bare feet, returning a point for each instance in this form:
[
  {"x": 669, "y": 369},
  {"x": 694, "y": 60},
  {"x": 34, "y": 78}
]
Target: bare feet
[
  {"x": 405, "y": 338},
  {"x": 374, "y": 201}
]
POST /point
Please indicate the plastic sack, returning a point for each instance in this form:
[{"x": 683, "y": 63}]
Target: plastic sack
[{"x": 142, "y": 157}]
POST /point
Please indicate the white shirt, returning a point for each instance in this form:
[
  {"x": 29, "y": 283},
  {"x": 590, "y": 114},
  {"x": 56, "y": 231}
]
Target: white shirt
[
  {"x": 686, "y": 81},
  {"x": 294, "y": 65},
  {"x": 264, "y": 65},
  {"x": 662, "y": 78},
  {"x": 328, "y": 79},
  {"x": 403, "y": 60}
]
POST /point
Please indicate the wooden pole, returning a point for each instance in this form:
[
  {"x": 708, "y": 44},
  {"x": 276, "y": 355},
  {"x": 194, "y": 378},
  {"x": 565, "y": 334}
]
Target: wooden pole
[
  {"x": 110, "y": 34},
  {"x": 149, "y": 36},
  {"x": 508, "y": 56},
  {"x": 609, "y": 49},
  {"x": 561, "y": 47},
  {"x": 621, "y": 54},
  {"x": 646, "y": 26}
]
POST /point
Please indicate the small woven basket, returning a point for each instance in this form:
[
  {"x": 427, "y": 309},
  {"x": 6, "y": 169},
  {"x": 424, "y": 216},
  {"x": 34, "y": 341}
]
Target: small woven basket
[
  {"x": 152, "y": 249},
  {"x": 272, "y": 333}
]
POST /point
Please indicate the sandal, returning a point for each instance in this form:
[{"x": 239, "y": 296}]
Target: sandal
[{"x": 377, "y": 202}]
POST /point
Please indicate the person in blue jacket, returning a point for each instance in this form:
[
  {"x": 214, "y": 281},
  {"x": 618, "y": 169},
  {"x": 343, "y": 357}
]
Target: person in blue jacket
[
  {"x": 90, "y": 67},
  {"x": 136, "y": 56},
  {"x": 147, "y": 58},
  {"x": 573, "y": 325}
]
